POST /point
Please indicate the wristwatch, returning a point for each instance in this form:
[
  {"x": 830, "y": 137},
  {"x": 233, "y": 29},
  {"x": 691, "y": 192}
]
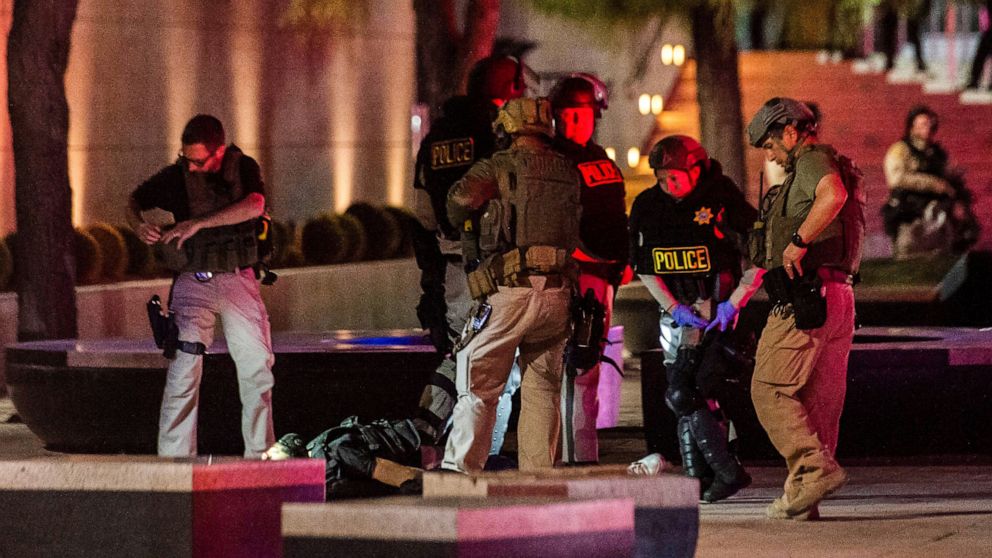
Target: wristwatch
[{"x": 798, "y": 241}]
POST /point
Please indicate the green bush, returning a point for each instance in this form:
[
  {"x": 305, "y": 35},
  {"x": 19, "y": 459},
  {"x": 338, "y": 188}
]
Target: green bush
[
  {"x": 6, "y": 265},
  {"x": 381, "y": 229},
  {"x": 406, "y": 220},
  {"x": 321, "y": 241},
  {"x": 355, "y": 239},
  {"x": 89, "y": 259},
  {"x": 112, "y": 248},
  {"x": 140, "y": 259}
]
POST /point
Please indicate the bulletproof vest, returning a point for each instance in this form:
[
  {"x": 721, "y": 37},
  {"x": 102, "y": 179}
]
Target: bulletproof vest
[
  {"x": 685, "y": 240},
  {"x": 840, "y": 244},
  {"x": 216, "y": 249},
  {"x": 456, "y": 140},
  {"x": 538, "y": 202}
]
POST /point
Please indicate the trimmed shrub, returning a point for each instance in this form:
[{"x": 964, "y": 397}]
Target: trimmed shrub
[
  {"x": 381, "y": 230},
  {"x": 354, "y": 238},
  {"x": 321, "y": 241},
  {"x": 140, "y": 259},
  {"x": 406, "y": 220},
  {"x": 6, "y": 265},
  {"x": 89, "y": 260},
  {"x": 112, "y": 248}
]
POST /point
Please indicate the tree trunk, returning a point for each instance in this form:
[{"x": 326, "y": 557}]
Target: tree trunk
[
  {"x": 444, "y": 54},
  {"x": 718, "y": 87},
  {"x": 37, "y": 56}
]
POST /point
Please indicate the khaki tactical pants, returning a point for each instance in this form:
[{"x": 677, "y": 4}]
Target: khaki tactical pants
[
  {"x": 535, "y": 320},
  {"x": 799, "y": 384},
  {"x": 235, "y": 298}
]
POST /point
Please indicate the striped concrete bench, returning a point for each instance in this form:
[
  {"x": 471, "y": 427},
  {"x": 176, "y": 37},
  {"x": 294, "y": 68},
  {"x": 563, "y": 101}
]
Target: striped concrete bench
[
  {"x": 133, "y": 506},
  {"x": 667, "y": 506},
  {"x": 413, "y": 527}
]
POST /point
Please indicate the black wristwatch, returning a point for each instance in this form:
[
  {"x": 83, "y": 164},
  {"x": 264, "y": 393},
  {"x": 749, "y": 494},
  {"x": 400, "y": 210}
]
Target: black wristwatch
[{"x": 798, "y": 241}]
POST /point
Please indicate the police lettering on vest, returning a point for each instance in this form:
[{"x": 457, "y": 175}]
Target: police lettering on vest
[
  {"x": 681, "y": 259},
  {"x": 452, "y": 153},
  {"x": 597, "y": 173}
]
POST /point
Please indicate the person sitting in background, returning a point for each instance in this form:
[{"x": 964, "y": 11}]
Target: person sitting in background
[{"x": 929, "y": 208}]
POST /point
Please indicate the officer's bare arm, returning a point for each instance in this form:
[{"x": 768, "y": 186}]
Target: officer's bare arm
[
  {"x": 252, "y": 206},
  {"x": 828, "y": 200}
]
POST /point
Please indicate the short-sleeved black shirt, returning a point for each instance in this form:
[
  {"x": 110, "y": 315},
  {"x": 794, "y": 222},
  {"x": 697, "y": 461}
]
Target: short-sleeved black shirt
[{"x": 167, "y": 188}]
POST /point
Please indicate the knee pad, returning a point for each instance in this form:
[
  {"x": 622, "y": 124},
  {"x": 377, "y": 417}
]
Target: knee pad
[{"x": 683, "y": 401}]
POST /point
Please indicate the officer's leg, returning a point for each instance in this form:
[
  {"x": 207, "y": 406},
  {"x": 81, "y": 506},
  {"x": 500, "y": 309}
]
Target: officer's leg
[
  {"x": 504, "y": 408},
  {"x": 192, "y": 302},
  {"x": 438, "y": 397},
  {"x": 786, "y": 357},
  {"x": 483, "y": 367},
  {"x": 580, "y": 391},
  {"x": 541, "y": 358},
  {"x": 246, "y": 328}
]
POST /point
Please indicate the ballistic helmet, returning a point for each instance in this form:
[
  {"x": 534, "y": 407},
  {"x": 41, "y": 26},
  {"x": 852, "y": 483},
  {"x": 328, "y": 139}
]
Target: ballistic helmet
[
  {"x": 580, "y": 90},
  {"x": 525, "y": 116},
  {"x": 497, "y": 77},
  {"x": 677, "y": 152},
  {"x": 779, "y": 111}
]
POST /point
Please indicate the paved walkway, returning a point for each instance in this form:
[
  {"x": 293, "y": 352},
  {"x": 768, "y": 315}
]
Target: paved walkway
[{"x": 887, "y": 510}]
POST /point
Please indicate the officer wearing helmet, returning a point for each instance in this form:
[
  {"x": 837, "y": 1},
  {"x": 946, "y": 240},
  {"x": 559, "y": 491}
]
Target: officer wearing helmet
[
  {"x": 526, "y": 200},
  {"x": 578, "y": 101},
  {"x": 809, "y": 242},
  {"x": 460, "y": 137},
  {"x": 687, "y": 238}
]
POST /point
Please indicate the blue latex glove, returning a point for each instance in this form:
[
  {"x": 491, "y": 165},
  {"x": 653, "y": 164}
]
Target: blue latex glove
[
  {"x": 685, "y": 316},
  {"x": 726, "y": 317}
]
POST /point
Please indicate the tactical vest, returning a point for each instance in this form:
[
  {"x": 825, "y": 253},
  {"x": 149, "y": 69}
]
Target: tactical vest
[
  {"x": 840, "y": 244},
  {"x": 685, "y": 240},
  {"x": 456, "y": 141},
  {"x": 215, "y": 249},
  {"x": 538, "y": 203}
]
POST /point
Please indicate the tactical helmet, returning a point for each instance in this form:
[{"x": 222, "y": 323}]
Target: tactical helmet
[
  {"x": 525, "y": 116},
  {"x": 677, "y": 152},
  {"x": 580, "y": 90},
  {"x": 497, "y": 77},
  {"x": 779, "y": 111}
]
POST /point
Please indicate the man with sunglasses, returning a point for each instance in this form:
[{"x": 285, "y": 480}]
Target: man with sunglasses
[
  {"x": 200, "y": 213},
  {"x": 809, "y": 240}
]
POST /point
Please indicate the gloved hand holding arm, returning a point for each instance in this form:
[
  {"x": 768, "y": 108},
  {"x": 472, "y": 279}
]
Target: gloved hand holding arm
[{"x": 727, "y": 311}]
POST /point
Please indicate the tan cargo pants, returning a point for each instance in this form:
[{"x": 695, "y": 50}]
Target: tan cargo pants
[
  {"x": 535, "y": 320},
  {"x": 799, "y": 384}
]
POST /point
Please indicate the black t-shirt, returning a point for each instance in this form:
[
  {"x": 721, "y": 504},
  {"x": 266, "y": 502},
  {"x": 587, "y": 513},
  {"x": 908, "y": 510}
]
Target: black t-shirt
[
  {"x": 167, "y": 188},
  {"x": 603, "y": 228}
]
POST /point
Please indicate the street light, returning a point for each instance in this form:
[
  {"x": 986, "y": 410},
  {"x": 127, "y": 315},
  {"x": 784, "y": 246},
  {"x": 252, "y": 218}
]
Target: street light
[
  {"x": 678, "y": 55},
  {"x": 644, "y": 104},
  {"x": 633, "y": 157},
  {"x": 667, "y": 55},
  {"x": 657, "y": 104},
  {"x": 611, "y": 153}
]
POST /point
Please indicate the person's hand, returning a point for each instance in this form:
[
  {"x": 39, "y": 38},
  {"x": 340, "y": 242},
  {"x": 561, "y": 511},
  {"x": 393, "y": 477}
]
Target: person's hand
[
  {"x": 181, "y": 232},
  {"x": 148, "y": 233},
  {"x": 686, "y": 316},
  {"x": 726, "y": 316},
  {"x": 792, "y": 260}
]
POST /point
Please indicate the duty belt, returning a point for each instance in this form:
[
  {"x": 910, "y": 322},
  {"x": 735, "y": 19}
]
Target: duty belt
[{"x": 513, "y": 268}]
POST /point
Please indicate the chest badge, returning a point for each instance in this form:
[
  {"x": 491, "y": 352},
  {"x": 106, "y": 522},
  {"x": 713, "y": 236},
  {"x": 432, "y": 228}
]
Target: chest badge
[{"x": 703, "y": 216}]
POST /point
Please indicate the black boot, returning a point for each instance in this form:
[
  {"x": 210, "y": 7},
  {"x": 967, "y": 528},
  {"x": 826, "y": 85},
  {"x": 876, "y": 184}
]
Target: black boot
[
  {"x": 693, "y": 464},
  {"x": 729, "y": 475}
]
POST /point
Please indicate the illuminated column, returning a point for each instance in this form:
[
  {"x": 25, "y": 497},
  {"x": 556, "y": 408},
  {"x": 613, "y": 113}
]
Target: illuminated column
[{"x": 245, "y": 62}]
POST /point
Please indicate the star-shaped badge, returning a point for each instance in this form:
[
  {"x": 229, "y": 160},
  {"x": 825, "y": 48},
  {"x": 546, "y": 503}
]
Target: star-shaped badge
[{"x": 703, "y": 216}]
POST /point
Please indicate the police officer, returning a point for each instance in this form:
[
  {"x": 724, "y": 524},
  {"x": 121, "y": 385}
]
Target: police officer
[
  {"x": 809, "y": 241},
  {"x": 527, "y": 199},
  {"x": 578, "y": 101},
  {"x": 214, "y": 193},
  {"x": 687, "y": 235},
  {"x": 459, "y": 138}
]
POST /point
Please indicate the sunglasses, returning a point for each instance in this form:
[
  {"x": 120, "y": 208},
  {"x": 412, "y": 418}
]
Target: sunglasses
[{"x": 196, "y": 162}]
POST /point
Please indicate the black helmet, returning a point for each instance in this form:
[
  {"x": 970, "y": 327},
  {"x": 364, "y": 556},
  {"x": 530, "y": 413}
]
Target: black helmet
[
  {"x": 580, "y": 90},
  {"x": 677, "y": 152},
  {"x": 779, "y": 111},
  {"x": 497, "y": 77}
]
